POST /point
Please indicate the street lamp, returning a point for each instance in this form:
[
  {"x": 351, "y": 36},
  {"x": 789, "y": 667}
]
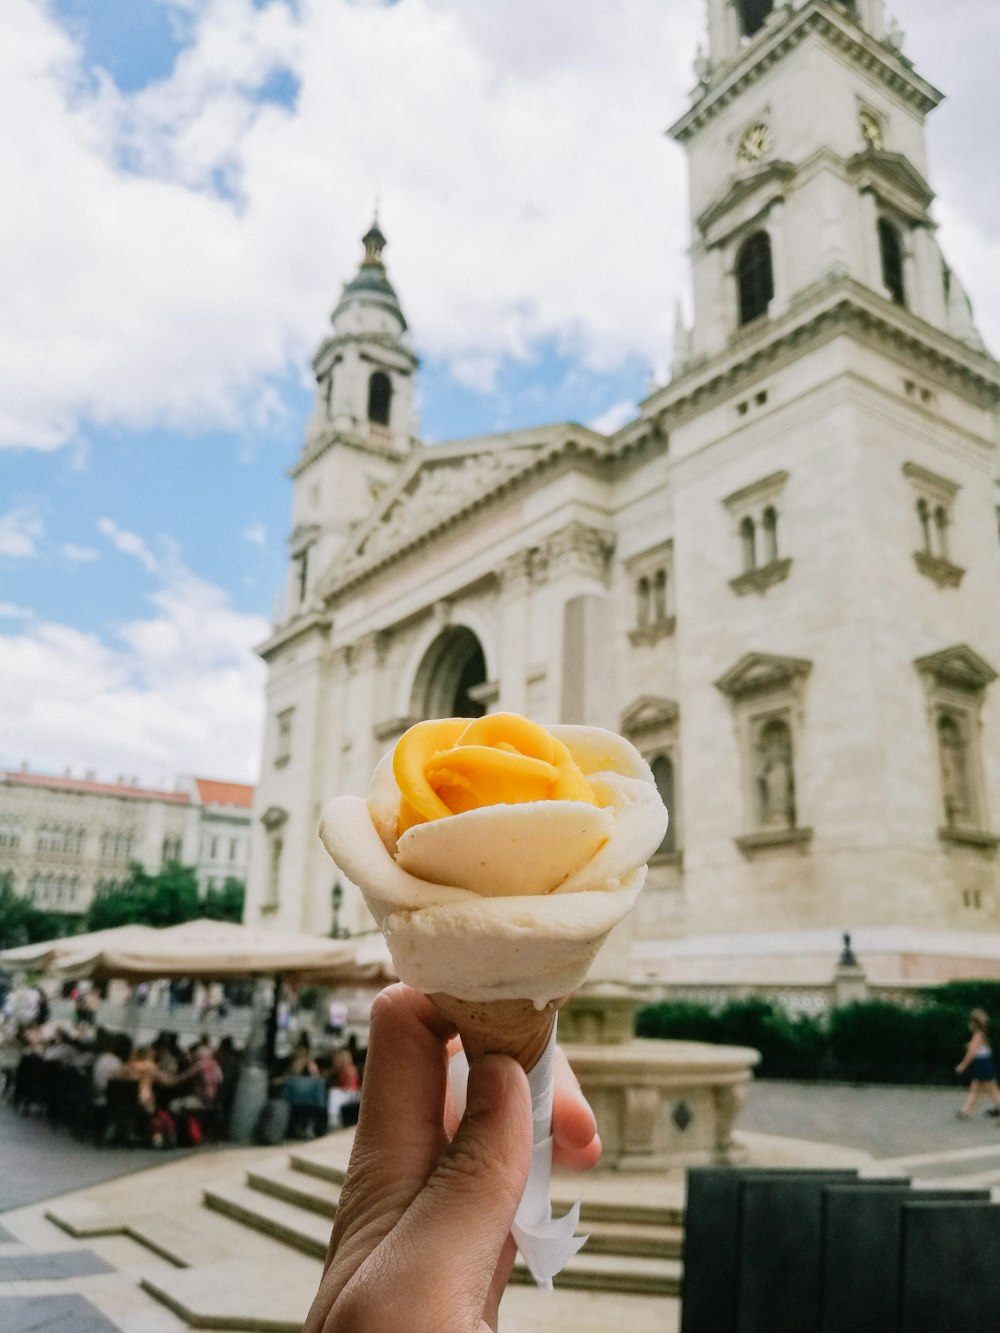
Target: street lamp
[{"x": 337, "y": 931}]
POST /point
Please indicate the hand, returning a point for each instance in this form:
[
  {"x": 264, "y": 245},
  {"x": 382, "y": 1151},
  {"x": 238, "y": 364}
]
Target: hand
[{"x": 422, "y": 1238}]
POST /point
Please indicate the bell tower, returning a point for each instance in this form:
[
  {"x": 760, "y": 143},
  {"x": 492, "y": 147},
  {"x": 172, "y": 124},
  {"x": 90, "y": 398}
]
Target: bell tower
[
  {"x": 808, "y": 163},
  {"x": 361, "y": 427}
]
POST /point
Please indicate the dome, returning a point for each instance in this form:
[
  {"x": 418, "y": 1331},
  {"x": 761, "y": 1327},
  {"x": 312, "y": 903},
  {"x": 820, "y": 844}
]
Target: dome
[{"x": 371, "y": 286}]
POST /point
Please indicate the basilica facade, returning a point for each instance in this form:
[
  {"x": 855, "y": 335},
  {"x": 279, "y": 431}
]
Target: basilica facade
[{"x": 781, "y": 580}]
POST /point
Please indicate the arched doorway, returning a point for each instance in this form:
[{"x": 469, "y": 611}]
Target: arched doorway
[{"x": 453, "y": 666}]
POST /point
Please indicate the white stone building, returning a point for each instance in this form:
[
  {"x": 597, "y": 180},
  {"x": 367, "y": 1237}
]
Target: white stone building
[
  {"x": 63, "y": 838},
  {"x": 781, "y": 580}
]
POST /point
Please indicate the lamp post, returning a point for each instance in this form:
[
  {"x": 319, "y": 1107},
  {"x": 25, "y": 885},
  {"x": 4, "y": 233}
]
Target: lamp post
[{"x": 337, "y": 931}]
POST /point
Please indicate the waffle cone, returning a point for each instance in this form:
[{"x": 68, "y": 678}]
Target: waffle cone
[{"x": 501, "y": 1027}]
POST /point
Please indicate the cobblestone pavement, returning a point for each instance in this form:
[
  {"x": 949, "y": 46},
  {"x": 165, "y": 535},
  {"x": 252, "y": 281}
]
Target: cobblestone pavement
[{"x": 887, "y": 1122}]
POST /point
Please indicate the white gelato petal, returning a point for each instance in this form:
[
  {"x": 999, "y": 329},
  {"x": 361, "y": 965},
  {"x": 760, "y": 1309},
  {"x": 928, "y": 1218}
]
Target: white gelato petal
[
  {"x": 639, "y": 820},
  {"x": 537, "y": 948},
  {"x": 529, "y": 848}
]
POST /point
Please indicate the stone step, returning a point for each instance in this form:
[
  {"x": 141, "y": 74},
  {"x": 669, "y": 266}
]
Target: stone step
[
  {"x": 309, "y": 1233},
  {"x": 314, "y": 1193},
  {"x": 611, "y": 1273},
  {"x": 320, "y": 1167},
  {"x": 627, "y": 1238},
  {"x": 299, "y": 1228},
  {"x": 237, "y": 1295}
]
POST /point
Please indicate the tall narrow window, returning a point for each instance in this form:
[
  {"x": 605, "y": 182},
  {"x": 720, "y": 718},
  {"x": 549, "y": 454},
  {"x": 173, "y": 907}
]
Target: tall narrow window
[
  {"x": 642, "y": 600},
  {"x": 753, "y": 15},
  {"x": 956, "y": 787},
  {"x": 663, "y": 776},
  {"x": 748, "y": 540},
  {"x": 924, "y": 514},
  {"x": 379, "y": 398},
  {"x": 770, "y": 526},
  {"x": 660, "y": 596},
  {"x": 891, "y": 251},
  {"x": 755, "y": 276},
  {"x": 941, "y": 524}
]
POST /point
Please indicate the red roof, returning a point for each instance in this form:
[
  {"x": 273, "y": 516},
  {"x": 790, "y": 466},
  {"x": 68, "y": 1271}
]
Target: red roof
[
  {"x": 225, "y": 793},
  {"x": 97, "y": 788}
]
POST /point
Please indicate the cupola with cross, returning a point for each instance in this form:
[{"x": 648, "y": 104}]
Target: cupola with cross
[{"x": 808, "y": 163}]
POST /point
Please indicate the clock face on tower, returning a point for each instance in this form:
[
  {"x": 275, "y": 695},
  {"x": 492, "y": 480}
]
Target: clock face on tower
[
  {"x": 753, "y": 143},
  {"x": 871, "y": 130}
]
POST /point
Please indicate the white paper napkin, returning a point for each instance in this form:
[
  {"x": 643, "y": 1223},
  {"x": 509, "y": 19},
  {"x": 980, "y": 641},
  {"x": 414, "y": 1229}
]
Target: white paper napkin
[{"x": 546, "y": 1243}]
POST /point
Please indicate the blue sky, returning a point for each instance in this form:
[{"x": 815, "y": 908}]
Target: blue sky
[{"x": 188, "y": 181}]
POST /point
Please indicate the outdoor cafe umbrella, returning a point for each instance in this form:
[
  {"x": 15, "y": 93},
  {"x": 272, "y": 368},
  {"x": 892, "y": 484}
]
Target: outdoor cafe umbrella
[
  {"x": 47, "y": 953},
  {"x": 219, "y": 950}
]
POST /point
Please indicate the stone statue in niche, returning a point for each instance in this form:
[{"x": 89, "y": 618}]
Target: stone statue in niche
[
  {"x": 954, "y": 771},
  {"x": 775, "y": 776}
]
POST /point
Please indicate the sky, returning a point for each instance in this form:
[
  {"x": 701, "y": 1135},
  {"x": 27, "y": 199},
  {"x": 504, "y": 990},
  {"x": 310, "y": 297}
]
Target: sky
[{"x": 183, "y": 186}]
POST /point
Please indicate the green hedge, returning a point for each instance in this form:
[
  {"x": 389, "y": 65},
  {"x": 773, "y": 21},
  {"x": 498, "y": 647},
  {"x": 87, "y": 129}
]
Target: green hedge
[{"x": 871, "y": 1041}]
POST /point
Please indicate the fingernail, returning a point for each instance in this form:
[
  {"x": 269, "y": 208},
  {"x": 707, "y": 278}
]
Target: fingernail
[{"x": 487, "y": 1085}]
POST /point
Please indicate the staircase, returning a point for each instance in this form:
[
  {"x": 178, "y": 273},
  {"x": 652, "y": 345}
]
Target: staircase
[{"x": 631, "y": 1248}]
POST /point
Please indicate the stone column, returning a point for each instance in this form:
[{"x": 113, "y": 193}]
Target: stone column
[
  {"x": 578, "y": 563},
  {"x": 779, "y": 257}
]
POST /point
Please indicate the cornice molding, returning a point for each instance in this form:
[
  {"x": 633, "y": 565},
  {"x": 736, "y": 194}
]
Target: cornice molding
[
  {"x": 819, "y": 18},
  {"x": 957, "y": 668},
  {"x": 762, "y": 673},
  {"x": 826, "y": 311},
  {"x": 313, "y": 621},
  {"x": 943, "y": 572}
]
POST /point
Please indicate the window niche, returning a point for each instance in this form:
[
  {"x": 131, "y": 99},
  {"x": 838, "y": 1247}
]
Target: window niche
[
  {"x": 933, "y": 507},
  {"x": 955, "y": 682},
  {"x": 754, "y": 277},
  {"x": 283, "y": 738},
  {"x": 651, "y": 725},
  {"x": 379, "y": 398},
  {"x": 275, "y": 822},
  {"x": 753, "y": 15},
  {"x": 756, "y": 518},
  {"x": 651, "y": 576},
  {"x": 766, "y": 694},
  {"x": 891, "y": 255}
]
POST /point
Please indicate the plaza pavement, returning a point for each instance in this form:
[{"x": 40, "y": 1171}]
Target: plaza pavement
[{"x": 92, "y": 1284}]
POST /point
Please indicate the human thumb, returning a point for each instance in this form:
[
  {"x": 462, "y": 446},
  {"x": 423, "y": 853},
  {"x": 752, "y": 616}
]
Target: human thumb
[{"x": 460, "y": 1221}]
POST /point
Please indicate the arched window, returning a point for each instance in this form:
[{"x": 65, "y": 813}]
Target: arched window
[
  {"x": 755, "y": 276},
  {"x": 753, "y": 15},
  {"x": 379, "y": 398},
  {"x": 891, "y": 250},
  {"x": 770, "y": 526},
  {"x": 453, "y": 666},
  {"x": 748, "y": 540},
  {"x": 642, "y": 609},
  {"x": 663, "y": 775}
]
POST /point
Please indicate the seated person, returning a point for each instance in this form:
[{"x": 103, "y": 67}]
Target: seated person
[
  {"x": 305, "y": 1090},
  {"x": 344, "y": 1086},
  {"x": 199, "y": 1084}
]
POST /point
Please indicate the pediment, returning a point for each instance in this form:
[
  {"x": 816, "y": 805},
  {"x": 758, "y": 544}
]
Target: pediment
[
  {"x": 649, "y": 712},
  {"x": 895, "y": 171},
  {"x": 443, "y": 482},
  {"x": 957, "y": 668},
  {"x": 771, "y": 173},
  {"x": 762, "y": 673}
]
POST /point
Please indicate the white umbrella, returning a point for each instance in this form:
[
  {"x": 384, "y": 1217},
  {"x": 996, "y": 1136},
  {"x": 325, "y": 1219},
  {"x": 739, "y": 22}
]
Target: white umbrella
[
  {"x": 215, "y": 950},
  {"x": 37, "y": 957}
]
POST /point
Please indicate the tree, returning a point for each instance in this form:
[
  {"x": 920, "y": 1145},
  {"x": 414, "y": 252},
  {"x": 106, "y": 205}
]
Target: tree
[
  {"x": 166, "y": 898},
  {"x": 225, "y": 904},
  {"x": 21, "y": 922}
]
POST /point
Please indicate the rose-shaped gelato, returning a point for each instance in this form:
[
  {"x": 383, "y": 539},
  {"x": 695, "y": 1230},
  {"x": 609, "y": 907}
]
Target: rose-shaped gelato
[{"x": 497, "y": 855}]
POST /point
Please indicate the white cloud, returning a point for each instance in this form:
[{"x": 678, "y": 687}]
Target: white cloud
[
  {"x": 20, "y": 530},
  {"x": 527, "y": 191},
  {"x": 8, "y": 611},
  {"x": 614, "y": 418},
  {"x": 179, "y": 691},
  {"x": 256, "y": 535},
  {"x": 128, "y": 543},
  {"x": 80, "y": 554}
]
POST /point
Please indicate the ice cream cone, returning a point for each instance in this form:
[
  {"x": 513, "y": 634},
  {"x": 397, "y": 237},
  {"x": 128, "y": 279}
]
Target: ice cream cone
[{"x": 501, "y": 1027}]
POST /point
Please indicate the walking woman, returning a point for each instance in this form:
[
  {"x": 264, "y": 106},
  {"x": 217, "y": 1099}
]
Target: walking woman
[{"x": 978, "y": 1060}]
